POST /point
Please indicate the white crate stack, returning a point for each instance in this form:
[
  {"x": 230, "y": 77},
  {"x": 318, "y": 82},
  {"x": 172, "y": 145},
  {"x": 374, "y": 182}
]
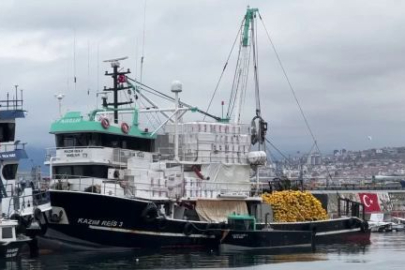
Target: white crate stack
[
  {"x": 197, "y": 188},
  {"x": 213, "y": 142}
]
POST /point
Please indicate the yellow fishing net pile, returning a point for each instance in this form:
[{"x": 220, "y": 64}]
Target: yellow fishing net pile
[{"x": 292, "y": 206}]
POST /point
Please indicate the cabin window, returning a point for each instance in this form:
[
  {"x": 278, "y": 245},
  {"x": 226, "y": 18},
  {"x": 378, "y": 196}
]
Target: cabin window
[
  {"x": 7, "y": 232},
  {"x": 241, "y": 224},
  {"x": 7, "y": 132},
  {"x": 10, "y": 171},
  {"x": 103, "y": 140},
  {"x": 97, "y": 171}
]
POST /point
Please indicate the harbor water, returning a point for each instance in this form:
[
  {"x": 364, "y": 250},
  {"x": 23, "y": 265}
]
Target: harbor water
[{"x": 386, "y": 251}]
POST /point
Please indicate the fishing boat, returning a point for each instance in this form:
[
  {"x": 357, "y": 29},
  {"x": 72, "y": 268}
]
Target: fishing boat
[
  {"x": 11, "y": 242},
  {"x": 117, "y": 181},
  {"x": 20, "y": 198},
  {"x": 243, "y": 234}
]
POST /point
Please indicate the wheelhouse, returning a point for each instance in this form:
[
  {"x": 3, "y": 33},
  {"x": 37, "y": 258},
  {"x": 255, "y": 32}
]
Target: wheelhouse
[
  {"x": 94, "y": 139},
  {"x": 242, "y": 222}
]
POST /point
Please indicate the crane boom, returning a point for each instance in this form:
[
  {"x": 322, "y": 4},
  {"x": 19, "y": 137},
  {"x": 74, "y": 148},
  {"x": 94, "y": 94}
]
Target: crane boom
[{"x": 243, "y": 66}]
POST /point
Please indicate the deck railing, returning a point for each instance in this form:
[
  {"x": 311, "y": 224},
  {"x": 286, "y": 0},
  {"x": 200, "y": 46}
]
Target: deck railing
[
  {"x": 322, "y": 184},
  {"x": 347, "y": 207},
  {"x": 37, "y": 198},
  {"x": 164, "y": 188}
]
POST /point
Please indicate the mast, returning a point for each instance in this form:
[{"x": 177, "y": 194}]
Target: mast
[
  {"x": 118, "y": 78},
  {"x": 243, "y": 65}
]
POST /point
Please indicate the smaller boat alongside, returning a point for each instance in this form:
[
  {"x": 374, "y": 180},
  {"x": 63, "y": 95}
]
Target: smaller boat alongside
[
  {"x": 11, "y": 242},
  {"x": 21, "y": 200},
  {"x": 378, "y": 224},
  {"x": 243, "y": 234}
]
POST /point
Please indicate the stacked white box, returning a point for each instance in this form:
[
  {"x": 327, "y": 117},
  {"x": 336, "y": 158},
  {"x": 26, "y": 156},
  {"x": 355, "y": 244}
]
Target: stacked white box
[{"x": 213, "y": 142}]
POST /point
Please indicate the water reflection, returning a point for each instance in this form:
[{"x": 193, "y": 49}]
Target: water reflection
[
  {"x": 179, "y": 259},
  {"x": 385, "y": 250}
]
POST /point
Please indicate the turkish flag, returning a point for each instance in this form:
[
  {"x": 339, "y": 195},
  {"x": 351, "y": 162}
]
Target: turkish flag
[{"x": 370, "y": 201}]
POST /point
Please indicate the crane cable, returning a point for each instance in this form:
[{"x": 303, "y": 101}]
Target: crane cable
[
  {"x": 157, "y": 93},
  {"x": 292, "y": 90},
  {"x": 286, "y": 158},
  {"x": 236, "y": 78},
  {"x": 223, "y": 70}
]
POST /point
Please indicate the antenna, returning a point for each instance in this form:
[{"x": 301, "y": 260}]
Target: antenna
[
  {"x": 60, "y": 96},
  {"x": 118, "y": 77},
  {"x": 16, "y": 96},
  {"x": 143, "y": 42},
  {"x": 115, "y": 59},
  {"x": 74, "y": 58},
  {"x": 136, "y": 59},
  {"x": 88, "y": 67},
  {"x": 98, "y": 70}
]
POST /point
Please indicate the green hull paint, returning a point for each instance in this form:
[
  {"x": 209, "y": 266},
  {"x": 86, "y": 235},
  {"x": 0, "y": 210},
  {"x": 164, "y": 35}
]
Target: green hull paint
[{"x": 74, "y": 122}]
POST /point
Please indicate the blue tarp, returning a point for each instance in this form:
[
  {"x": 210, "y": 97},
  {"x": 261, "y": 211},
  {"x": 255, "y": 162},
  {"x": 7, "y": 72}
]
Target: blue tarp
[
  {"x": 12, "y": 114},
  {"x": 13, "y": 155}
]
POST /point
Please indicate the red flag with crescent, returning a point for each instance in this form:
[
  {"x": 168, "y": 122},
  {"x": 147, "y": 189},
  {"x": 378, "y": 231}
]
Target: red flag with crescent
[{"x": 370, "y": 201}]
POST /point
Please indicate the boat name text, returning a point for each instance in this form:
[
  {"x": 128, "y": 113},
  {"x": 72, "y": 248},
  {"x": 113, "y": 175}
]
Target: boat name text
[
  {"x": 12, "y": 252},
  {"x": 73, "y": 152},
  {"x": 239, "y": 236},
  {"x": 70, "y": 121},
  {"x": 98, "y": 222}
]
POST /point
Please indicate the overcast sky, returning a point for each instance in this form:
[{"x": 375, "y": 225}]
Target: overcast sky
[{"x": 345, "y": 60}]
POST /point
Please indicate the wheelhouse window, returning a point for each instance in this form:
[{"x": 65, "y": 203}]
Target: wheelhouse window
[
  {"x": 7, "y": 232},
  {"x": 10, "y": 171},
  {"x": 103, "y": 140},
  {"x": 7, "y": 132},
  {"x": 76, "y": 171}
]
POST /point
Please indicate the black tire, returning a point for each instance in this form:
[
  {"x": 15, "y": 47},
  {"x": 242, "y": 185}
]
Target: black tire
[
  {"x": 150, "y": 213},
  {"x": 37, "y": 214},
  {"x": 364, "y": 226}
]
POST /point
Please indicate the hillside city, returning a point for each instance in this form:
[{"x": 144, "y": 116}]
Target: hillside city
[{"x": 342, "y": 166}]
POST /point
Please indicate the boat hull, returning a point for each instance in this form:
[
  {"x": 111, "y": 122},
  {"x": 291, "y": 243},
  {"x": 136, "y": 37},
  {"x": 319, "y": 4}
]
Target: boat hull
[
  {"x": 82, "y": 220},
  {"x": 235, "y": 240},
  {"x": 341, "y": 230},
  {"x": 12, "y": 249},
  {"x": 96, "y": 221}
]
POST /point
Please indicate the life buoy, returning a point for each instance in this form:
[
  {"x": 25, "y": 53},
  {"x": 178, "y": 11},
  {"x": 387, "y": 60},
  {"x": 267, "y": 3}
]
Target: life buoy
[
  {"x": 105, "y": 123},
  {"x": 150, "y": 213},
  {"x": 125, "y": 128}
]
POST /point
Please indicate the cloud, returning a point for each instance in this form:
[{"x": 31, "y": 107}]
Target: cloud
[{"x": 344, "y": 60}]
